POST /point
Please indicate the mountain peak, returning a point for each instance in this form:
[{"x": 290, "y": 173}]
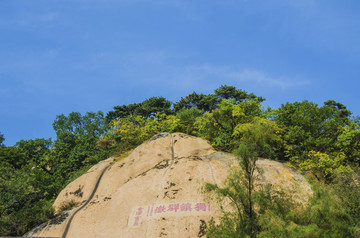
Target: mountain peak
[{"x": 155, "y": 191}]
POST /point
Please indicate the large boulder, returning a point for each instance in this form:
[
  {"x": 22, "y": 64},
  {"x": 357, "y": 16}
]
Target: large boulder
[{"x": 155, "y": 191}]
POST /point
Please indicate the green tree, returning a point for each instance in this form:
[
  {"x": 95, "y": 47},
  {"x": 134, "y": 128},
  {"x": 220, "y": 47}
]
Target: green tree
[
  {"x": 230, "y": 92},
  {"x": 76, "y": 140},
  {"x": 153, "y": 105},
  {"x": 147, "y": 108},
  {"x": 121, "y": 112},
  {"x": 263, "y": 212},
  {"x": 91, "y": 124},
  {"x": 347, "y": 189},
  {"x": 187, "y": 118},
  {"x": 309, "y": 127},
  {"x": 219, "y": 125},
  {"x": 324, "y": 166},
  {"x": 323, "y": 216},
  {"x": 2, "y": 138},
  {"x": 199, "y": 101},
  {"x": 348, "y": 142},
  {"x": 25, "y": 192},
  {"x": 12, "y": 156},
  {"x": 242, "y": 218},
  {"x": 25, "y": 200},
  {"x": 130, "y": 132},
  {"x": 209, "y": 102},
  {"x": 35, "y": 150},
  {"x": 339, "y": 110},
  {"x": 262, "y": 133},
  {"x": 105, "y": 144}
]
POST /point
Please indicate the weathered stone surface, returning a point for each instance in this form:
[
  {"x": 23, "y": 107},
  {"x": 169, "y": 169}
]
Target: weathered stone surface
[{"x": 155, "y": 191}]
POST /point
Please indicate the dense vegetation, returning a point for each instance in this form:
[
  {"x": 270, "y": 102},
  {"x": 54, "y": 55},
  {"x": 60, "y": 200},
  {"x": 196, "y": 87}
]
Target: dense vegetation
[{"x": 323, "y": 141}]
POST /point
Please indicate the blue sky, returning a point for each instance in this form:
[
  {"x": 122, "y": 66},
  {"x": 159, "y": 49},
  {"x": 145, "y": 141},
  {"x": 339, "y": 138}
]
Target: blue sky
[{"x": 60, "y": 56}]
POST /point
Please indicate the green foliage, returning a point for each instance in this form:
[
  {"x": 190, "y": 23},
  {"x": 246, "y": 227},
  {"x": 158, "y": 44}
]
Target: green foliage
[
  {"x": 132, "y": 131},
  {"x": 91, "y": 124},
  {"x": 219, "y": 125},
  {"x": 348, "y": 190},
  {"x": 12, "y": 156},
  {"x": 323, "y": 216},
  {"x": 30, "y": 215},
  {"x": 121, "y": 112},
  {"x": 33, "y": 173},
  {"x": 238, "y": 217},
  {"x": 230, "y": 92},
  {"x": 2, "y": 138},
  {"x": 323, "y": 140},
  {"x": 242, "y": 220},
  {"x": 154, "y": 105},
  {"x": 348, "y": 143},
  {"x": 187, "y": 119},
  {"x": 76, "y": 141},
  {"x": 34, "y": 151},
  {"x": 68, "y": 205},
  {"x": 147, "y": 108},
  {"x": 105, "y": 145},
  {"x": 199, "y": 101},
  {"x": 309, "y": 127},
  {"x": 339, "y": 110},
  {"x": 25, "y": 199},
  {"x": 326, "y": 211},
  {"x": 325, "y": 165},
  {"x": 263, "y": 134},
  {"x": 209, "y": 102},
  {"x": 265, "y": 212}
]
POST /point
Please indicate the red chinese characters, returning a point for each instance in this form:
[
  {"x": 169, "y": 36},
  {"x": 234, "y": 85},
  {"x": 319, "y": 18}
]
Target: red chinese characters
[
  {"x": 160, "y": 209},
  {"x": 144, "y": 213},
  {"x": 173, "y": 207},
  {"x": 137, "y": 216},
  {"x": 200, "y": 207},
  {"x": 186, "y": 207},
  {"x": 136, "y": 222},
  {"x": 139, "y": 211}
]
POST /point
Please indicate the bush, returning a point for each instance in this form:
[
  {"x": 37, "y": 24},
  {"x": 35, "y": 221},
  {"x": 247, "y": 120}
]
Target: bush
[{"x": 67, "y": 205}]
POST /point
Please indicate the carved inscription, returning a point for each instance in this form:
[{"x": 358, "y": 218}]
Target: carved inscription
[{"x": 155, "y": 211}]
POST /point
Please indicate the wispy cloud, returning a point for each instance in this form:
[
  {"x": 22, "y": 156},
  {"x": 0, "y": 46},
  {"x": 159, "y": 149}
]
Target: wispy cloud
[
  {"x": 264, "y": 79},
  {"x": 31, "y": 19},
  {"x": 162, "y": 68},
  {"x": 232, "y": 75},
  {"x": 166, "y": 3},
  {"x": 26, "y": 19}
]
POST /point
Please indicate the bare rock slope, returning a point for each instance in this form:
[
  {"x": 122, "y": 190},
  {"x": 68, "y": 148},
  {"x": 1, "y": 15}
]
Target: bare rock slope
[{"x": 155, "y": 191}]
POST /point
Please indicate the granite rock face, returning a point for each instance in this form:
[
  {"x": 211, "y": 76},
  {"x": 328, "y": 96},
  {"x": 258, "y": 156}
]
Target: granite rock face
[{"x": 156, "y": 191}]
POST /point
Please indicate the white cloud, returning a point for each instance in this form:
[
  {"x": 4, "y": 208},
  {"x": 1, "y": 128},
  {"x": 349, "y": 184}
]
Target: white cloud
[
  {"x": 264, "y": 79},
  {"x": 230, "y": 75},
  {"x": 161, "y": 68},
  {"x": 31, "y": 20}
]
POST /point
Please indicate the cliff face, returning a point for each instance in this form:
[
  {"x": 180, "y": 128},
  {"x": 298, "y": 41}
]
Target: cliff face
[{"x": 155, "y": 191}]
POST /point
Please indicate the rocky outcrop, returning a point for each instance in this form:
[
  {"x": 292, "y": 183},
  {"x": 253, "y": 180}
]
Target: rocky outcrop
[{"x": 155, "y": 191}]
